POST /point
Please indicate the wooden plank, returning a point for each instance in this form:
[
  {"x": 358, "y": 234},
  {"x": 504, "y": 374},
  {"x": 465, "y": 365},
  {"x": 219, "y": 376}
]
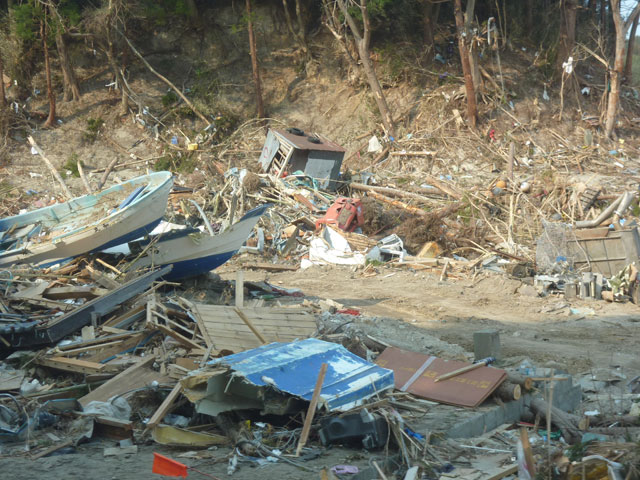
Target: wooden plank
[
  {"x": 113, "y": 330},
  {"x": 121, "y": 318},
  {"x": 164, "y": 407},
  {"x": 313, "y": 405},
  {"x": 114, "y": 349},
  {"x": 251, "y": 326},
  {"x": 274, "y": 324},
  {"x": 11, "y": 380},
  {"x": 71, "y": 365},
  {"x": 182, "y": 340},
  {"x": 503, "y": 473},
  {"x": 486, "y": 436},
  {"x": 194, "y": 311},
  {"x": 64, "y": 293},
  {"x": 51, "y": 449},
  {"x": 188, "y": 363},
  {"x": 77, "y": 347},
  {"x": 135, "y": 376},
  {"x": 102, "y": 279},
  {"x": 271, "y": 267}
]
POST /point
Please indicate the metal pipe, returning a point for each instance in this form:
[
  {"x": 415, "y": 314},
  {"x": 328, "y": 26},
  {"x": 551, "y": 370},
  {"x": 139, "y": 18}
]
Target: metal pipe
[
  {"x": 606, "y": 213},
  {"x": 622, "y": 207}
]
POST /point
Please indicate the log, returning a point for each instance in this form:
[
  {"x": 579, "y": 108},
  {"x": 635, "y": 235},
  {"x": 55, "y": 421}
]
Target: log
[
  {"x": 233, "y": 430},
  {"x": 508, "y": 391},
  {"x": 525, "y": 382},
  {"x": 619, "y": 421},
  {"x": 394, "y": 192},
  {"x": 53, "y": 170},
  {"x": 567, "y": 423},
  {"x": 85, "y": 181},
  {"x": 442, "y": 186}
]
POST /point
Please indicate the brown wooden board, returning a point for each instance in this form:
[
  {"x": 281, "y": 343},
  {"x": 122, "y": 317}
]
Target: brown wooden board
[
  {"x": 229, "y": 332},
  {"x": 134, "y": 377},
  {"x": 468, "y": 389}
]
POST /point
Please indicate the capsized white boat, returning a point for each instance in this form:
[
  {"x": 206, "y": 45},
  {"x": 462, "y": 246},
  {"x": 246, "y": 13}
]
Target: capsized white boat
[
  {"x": 193, "y": 252},
  {"x": 85, "y": 224}
]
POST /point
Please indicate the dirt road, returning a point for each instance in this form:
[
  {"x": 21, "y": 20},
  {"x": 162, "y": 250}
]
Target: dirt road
[{"x": 600, "y": 334}]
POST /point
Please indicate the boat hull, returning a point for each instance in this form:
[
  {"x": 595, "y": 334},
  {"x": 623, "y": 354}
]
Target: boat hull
[
  {"x": 193, "y": 254},
  {"x": 97, "y": 225}
]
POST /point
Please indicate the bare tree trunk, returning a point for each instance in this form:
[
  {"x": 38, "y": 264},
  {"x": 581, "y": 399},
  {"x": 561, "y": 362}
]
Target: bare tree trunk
[
  {"x": 299, "y": 34},
  {"x": 472, "y": 109},
  {"x": 529, "y": 6},
  {"x": 362, "y": 42},
  {"x": 628, "y": 68},
  {"x": 622, "y": 27},
  {"x": 71, "y": 87},
  {"x": 254, "y": 62},
  {"x": 3, "y": 97},
  {"x": 568, "y": 12},
  {"x": 111, "y": 57},
  {"x": 335, "y": 26},
  {"x": 51, "y": 119},
  {"x": 427, "y": 28},
  {"x": 474, "y": 61}
]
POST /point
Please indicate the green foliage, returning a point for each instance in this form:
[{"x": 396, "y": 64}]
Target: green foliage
[
  {"x": 27, "y": 18},
  {"x": 71, "y": 11},
  {"x": 71, "y": 165},
  {"x": 178, "y": 163},
  {"x": 169, "y": 99},
  {"x": 162, "y": 12},
  {"x": 93, "y": 129}
]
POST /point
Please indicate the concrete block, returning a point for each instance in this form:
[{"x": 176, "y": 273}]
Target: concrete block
[{"x": 486, "y": 343}]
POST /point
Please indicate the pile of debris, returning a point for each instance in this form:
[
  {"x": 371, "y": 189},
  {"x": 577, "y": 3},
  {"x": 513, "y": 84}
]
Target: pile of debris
[{"x": 100, "y": 341}]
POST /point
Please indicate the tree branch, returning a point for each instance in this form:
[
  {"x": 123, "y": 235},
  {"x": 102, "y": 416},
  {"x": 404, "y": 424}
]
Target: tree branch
[
  {"x": 350, "y": 21},
  {"x": 632, "y": 17},
  {"x": 165, "y": 80}
]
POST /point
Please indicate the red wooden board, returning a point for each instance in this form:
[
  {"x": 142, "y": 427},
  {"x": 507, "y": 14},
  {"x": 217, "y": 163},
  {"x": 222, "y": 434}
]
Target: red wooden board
[{"x": 468, "y": 389}]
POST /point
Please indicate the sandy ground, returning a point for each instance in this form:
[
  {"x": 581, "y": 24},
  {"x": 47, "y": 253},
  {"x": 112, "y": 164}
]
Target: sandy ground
[
  {"x": 89, "y": 462},
  {"x": 537, "y": 328}
]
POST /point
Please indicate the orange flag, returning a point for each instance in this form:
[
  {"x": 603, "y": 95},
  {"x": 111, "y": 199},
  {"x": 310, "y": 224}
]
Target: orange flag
[{"x": 165, "y": 466}]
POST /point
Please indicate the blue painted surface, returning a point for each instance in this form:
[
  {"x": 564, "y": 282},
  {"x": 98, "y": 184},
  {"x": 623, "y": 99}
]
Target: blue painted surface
[
  {"x": 197, "y": 266},
  {"x": 293, "y": 368},
  {"x": 204, "y": 264}
]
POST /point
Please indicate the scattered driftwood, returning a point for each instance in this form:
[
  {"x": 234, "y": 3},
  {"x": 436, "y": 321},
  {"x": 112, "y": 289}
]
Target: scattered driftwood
[
  {"x": 567, "y": 423},
  {"x": 53, "y": 170},
  {"x": 508, "y": 391},
  {"x": 85, "y": 180},
  {"x": 106, "y": 173},
  {"x": 525, "y": 382},
  {"x": 394, "y": 192}
]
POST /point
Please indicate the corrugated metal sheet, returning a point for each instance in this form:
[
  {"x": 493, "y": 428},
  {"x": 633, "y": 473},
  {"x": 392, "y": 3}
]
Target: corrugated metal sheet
[
  {"x": 301, "y": 142},
  {"x": 293, "y": 368}
]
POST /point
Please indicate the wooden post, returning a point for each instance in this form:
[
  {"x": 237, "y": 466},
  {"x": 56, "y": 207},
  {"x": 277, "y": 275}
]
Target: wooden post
[
  {"x": 239, "y": 289},
  {"x": 312, "y": 409},
  {"x": 512, "y": 155}
]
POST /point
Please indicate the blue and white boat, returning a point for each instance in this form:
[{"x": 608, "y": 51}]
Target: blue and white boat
[
  {"x": 192, "y": 251},
  {"x": 117, "y": 215}
]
